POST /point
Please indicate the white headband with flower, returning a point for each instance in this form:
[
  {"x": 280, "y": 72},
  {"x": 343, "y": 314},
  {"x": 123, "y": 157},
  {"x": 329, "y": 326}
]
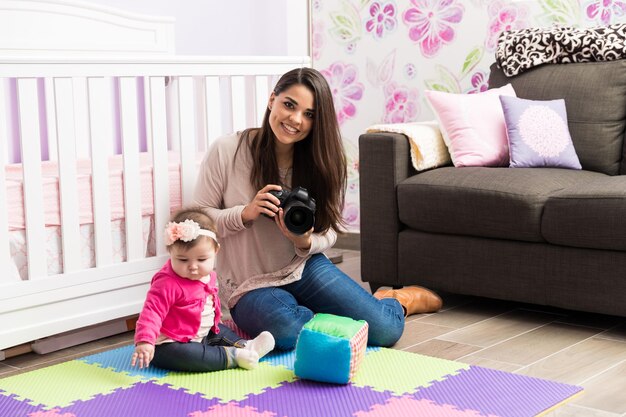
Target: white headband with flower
[{"x": 186, "y": 231}]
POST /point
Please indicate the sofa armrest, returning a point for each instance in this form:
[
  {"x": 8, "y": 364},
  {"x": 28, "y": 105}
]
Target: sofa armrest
[{"x": 384, "y": 161}]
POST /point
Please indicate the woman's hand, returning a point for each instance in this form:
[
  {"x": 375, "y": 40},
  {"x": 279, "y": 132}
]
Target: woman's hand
[
  {"x": 263, "y": 203},
  {"x": 144, "y": 352},
  {"x": 302, "y": 241}
]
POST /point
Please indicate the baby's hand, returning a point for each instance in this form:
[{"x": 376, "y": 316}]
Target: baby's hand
[{"x": 144, "y": 352}]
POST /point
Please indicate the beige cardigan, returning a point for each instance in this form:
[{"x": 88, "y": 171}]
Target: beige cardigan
[{"x": 252, "y": 255}]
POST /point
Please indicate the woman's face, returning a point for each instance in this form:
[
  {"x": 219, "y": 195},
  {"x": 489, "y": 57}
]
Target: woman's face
[{"x": 291, "y": 114}]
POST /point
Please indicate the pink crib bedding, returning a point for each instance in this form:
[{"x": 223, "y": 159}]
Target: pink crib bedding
[
  {"x": 50, "y": 174},
  {"x": 18, "y": 270},
  {"x": 52, "y": 216}
]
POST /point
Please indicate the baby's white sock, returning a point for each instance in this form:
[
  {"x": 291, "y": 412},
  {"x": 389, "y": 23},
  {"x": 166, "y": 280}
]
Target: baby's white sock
[
  {"x": 262, "y": 344},
  {"x": 247, "y": 359}
]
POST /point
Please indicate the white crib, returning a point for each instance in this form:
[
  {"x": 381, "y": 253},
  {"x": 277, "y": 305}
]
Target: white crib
[{"x": 109, "y": 143}]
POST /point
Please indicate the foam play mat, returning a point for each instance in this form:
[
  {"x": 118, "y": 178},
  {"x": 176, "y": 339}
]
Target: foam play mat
[{"x": 389, "y": 383}]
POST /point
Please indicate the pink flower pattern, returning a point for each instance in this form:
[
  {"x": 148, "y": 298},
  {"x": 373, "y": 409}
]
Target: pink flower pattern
[
  {"x": 400, "y": 104},
  {"x": 480, "y": 83},
  {"x": 430, "y": 23},
  {"x": 604, "y": 10},
  {"x": 317, "y": 39},
  {"x": 351, "y": 214},
  {"x": 383, "y": 19},
  {"x": 342, "y": 79},
  {"x": 502, "y": 17}
]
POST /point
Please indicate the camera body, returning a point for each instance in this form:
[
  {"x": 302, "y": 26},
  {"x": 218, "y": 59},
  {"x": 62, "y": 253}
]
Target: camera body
[{"x": 299, "y": 209}]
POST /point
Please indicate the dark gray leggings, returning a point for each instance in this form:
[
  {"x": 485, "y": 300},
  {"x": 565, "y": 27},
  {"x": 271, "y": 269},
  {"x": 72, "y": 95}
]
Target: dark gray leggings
[{"x": 207, "y": 355}]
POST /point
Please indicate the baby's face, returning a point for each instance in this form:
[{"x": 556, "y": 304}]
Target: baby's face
[{"x": 196, "y": 262}]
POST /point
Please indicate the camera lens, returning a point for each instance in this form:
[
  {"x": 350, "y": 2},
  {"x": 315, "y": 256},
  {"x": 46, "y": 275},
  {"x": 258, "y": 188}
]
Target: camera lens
[{"x": 299, "y": 218}]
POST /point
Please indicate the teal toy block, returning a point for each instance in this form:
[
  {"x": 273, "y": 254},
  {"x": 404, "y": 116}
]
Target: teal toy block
[{"x": 330, "y": 348}]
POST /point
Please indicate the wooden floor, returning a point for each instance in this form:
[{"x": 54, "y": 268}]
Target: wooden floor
[{"x": 566, "y": 346}]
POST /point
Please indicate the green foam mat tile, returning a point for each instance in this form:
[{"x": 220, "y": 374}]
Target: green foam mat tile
[
  {"x": 230, "y": 384},
  {"x": 403, "y": 372},
  {"x": 60, "y": 385}
]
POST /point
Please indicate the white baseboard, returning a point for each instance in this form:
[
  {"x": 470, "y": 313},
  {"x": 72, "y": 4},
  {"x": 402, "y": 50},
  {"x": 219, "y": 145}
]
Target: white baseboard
[{"x": 77, "y": 337}]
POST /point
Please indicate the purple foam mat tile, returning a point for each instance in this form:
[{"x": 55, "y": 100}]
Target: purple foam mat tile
[
  {"x": 11, "y": 406},
  {"x": 308, "y": 398},
  {"x": 144, "y": 399},
  {"x": 119, "y": 361},
  {"x": 496, "y": 392}
]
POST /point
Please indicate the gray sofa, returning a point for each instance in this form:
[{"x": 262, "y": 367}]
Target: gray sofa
[{"x": 546, "y": 236}]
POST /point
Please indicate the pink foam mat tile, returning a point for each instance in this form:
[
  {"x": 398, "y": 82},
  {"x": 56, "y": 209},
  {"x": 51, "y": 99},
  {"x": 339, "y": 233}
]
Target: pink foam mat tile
[
  {"x": 232, "y": 409},
  {"x": 408, "y": 406},
  {"x": 55, "y": 412}
]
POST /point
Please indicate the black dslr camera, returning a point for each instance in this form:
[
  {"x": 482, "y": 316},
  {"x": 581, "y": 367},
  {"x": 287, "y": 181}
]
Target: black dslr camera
[{"x": 299, "y": 209}]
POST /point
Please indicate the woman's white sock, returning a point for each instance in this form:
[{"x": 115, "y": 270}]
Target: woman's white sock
[{"x": 262, "y": 344}]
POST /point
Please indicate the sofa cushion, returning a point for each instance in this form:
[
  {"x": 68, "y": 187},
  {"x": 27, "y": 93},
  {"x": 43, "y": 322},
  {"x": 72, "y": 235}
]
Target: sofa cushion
[
  {"x": 595, "y": 98},
  {"x": 588, "y": 215},
  {"x": 502, "y": 203}
]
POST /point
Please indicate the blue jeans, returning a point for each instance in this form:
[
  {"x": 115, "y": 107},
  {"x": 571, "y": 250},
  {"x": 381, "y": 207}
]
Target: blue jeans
[
  {"x": 205, "y": 356},
  {"x": 323, "y": 288}
]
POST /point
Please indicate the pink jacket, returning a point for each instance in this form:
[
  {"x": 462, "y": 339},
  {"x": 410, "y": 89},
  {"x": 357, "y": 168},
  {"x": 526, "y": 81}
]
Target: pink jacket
[{"x": 174, "y": 305}]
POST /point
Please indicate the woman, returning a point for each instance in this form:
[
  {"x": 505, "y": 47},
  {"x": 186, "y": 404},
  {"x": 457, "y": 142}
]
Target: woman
[{"x": 275, "y": 280}]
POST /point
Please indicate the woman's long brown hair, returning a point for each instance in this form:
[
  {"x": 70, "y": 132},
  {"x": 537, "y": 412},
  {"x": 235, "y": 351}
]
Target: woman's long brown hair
[{"x": 319, "y": 161}]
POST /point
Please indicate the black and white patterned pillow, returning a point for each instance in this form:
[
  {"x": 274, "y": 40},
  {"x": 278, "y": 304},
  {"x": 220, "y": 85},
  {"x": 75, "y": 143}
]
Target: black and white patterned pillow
[{"x": 519, "y": 50}]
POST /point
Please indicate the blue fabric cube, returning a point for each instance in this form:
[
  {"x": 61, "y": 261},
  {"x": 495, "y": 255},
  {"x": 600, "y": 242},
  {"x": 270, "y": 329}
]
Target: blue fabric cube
[{"x": 330, "y": 348}]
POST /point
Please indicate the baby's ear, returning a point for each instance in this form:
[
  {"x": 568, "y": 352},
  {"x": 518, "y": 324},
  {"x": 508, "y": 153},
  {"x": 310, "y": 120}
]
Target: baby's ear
[{"x": 217, "y": 247}]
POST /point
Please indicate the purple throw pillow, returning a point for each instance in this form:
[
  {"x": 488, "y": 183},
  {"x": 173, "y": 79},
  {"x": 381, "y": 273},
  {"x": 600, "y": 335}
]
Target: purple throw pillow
[{"x": 537, "y": 133}]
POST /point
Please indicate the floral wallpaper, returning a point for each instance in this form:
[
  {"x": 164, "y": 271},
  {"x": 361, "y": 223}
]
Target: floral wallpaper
[{"x": 380, "y": 55}]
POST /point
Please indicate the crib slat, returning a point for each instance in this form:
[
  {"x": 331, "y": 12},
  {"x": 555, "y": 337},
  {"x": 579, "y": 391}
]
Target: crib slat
[
  {"x": 262, "y": 97},
  {"x": 80, "y": 109},
  {"x": 68, "y": 189},
  {"x": 213, "y": 109},
  {"x": 101, "y": 133},
  {"x": 226, "y": 103},
  {"x": 28, "y": 105},
  {"x": 188, "y": 146},
  {"x": 250, "y": 100},
  {"x": 200, "y": 112},
  {"x": 51, "y": 119},
  {"x": 238, "y": 97},
  {"x": 160, "y": 166},
  {"x": 271, "y": 83},
  {"x": 5, "y": 250},
  {"x": 130, "y": 146}
]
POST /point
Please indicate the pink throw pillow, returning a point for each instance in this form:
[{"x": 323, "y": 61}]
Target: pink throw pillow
[{"x": 472, "y": 126}]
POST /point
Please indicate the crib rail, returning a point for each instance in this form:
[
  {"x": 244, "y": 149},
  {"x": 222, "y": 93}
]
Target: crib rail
[{"x": 71, "y": 109}]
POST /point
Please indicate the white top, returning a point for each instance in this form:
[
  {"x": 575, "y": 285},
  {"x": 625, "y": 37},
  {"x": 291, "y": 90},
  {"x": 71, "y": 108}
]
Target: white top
[{"x": 257, "y": 254}]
